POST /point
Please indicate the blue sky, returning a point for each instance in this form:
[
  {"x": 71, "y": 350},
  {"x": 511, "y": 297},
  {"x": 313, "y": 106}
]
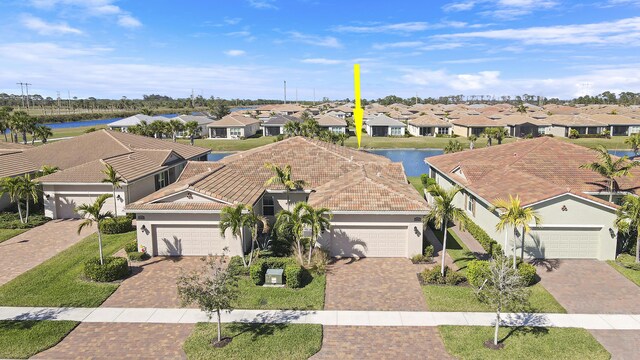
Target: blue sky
[{"x": 246, "y": 48}]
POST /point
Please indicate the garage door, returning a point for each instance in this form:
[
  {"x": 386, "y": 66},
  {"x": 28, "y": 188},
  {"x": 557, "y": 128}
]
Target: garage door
[
  {"x": 193, "y": 240},
  {"x": 368, "y": 241},
  {"x": 563, "y": 243},
  {"x": 66, "y": 204}
]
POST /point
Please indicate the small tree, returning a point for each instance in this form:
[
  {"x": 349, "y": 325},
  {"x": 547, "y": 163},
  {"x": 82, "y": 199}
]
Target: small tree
[
  {"x": 319, "y": 220},
  {"x": 293, "y": 222},
  {"x": 30, "y": 190},
  {"x": 257, "y": 223},
  {"x": 283, "y": 176},
  {"x": 503, "y": 289},
  {"x": 12, "y": 186},
  {"x": 609, "y": 168},
  {"x": 92, "y": 213},
  {"x": 213, "y": 289},
  {"x": 193, "y": 129},
  {"x": 114, "y": 179},
  {"x": 453, "y": 146},
  {"x": 628, "y": 218},
  {"x": 232, "y": 217},
  {"x": 514, "y": 214}
]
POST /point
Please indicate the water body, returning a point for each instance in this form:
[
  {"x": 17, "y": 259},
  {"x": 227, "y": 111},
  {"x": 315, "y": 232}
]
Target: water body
[{"x": 81, "y": 123}]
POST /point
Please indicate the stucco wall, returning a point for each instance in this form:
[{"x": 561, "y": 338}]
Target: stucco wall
[
  {"x": 460, "y": 130},
  {"x": 4, "y": 201},
  {"x": 141, "y": 188},
  {"x": 81, "y": 194},
  {"x": 557, "y": 131}
]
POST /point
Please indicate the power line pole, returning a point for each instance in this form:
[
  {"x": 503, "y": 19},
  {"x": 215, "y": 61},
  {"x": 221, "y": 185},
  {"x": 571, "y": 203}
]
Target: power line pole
[
  {"x": 69, "y": 101},
  {"x": 296, "y": 96},
  {"x": 21, "y": 92},
  {"x": 58, "y": 94},
  {"x": 285, "y": 91},
  {"x": 314, "y": 96},
  {"x": 26, "y": 85}
]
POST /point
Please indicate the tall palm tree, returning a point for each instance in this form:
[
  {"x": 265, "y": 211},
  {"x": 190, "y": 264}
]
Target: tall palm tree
[
  {"x": 443, "y": 210},
  {"x": 92, "y": 213},
  {"x": 41, "y": 132},
  {"x": 112, "y": 177},
  {"x": 634, "y": 142},
  {"x": 609, "y": 168},
  {"x": 22, "y": 123},
  {"x": 193, "y": 129},
  {"x": 319, "y": 220},
  {"x": 292, "y": 128},
  {"x": 283, "y": 176},
  {"x": 30, "y": 191},
  {"x": 5, "y": 114},
  {"x": 175, "y": 126},
  {"x": 311, "y": 128},
  {"x": 513, "y": 214},
  {"x": 256, "y": 223},
  {"x": 12, "y": 186},
  {"x": 232, "y": 217},
  {"x": 628, "y": 218},
  {"x": 293, "y": 222}
]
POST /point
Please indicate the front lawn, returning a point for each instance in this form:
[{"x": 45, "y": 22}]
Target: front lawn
[
  {"x": 458, "y": 251},
  {"x": 6, "y": 234},
  {"x": 255, "y": 341},
  {"x": 416, "y": 182},
  {"x": 633, "y": 275},
  {"x": 463, "y": 298},
  {"x": 23, "y": 339},
  {"x": 467, "y": 342},
  {"x": 310, "y": 297},
  {"x": 57, "y": 282}
]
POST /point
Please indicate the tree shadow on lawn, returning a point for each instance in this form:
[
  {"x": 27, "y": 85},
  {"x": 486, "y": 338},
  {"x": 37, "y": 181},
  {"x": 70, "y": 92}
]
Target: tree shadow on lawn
[
  {"x": 256, "y": 330},
  {"x": 524, "y": 330}
]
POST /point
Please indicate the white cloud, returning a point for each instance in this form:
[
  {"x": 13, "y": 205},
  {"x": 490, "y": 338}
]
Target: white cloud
[
  {"x": 322, "y": 61},
  {"x": 621, "y": 32},
  {"x": 419, "y": 45},
  {"x": 128, "y": 21},
  {"x": 99, "y": 8},
  {"x": 398, "y": 45},
  {"x": 323, "y": 41},
  {"x": 459, "y": 6},
  {"x": 503, "y": 9},
  {"x": 235, "y": 52},
  {"x": 475, "y": 60},
  {"x": 263, "y": 4},
  {"x": 44, "y": 28},
  {"x": 405, "y": 27},
  {"x": 34, "y": 51},
  {"x": 458, "y": 82}
]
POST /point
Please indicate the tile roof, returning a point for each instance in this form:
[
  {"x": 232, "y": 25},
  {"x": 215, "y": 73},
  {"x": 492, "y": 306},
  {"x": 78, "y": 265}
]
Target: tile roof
[
  {"x": 241, "y": 177},
  {"x": 279, "y": 120},
  {"x": 5, "y": 145},
  {"x": 475, "y": 121},
  {"x": 328, "y": 120},
  {"x": 573, "y": 120},
  {"x": 200, "y": 119},
  {"x": 534, "y": 169},
  {"x": 384, "y": 120},
  {"x": 429, "y": 120},
  {"x": 14, "y": 163},
  {"x": 233, "y": 119}
]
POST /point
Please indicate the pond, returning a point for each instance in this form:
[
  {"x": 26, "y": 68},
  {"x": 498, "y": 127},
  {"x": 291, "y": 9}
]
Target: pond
[{"x": 90, "y": 122}]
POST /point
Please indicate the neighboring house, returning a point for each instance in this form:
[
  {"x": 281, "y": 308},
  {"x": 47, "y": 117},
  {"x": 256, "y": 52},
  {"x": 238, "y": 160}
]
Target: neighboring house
[
  {"x": 619, "y": 125},
  {"x": 577, "y": 219},
  {"x": 274, "y": 125},
  {"x": 519, "y": 125},
  {"x": 333, "y": 124},
  {"x": 145, "y": 165},
  {"x": 202, "y": 121},
  {"x": 346, "y": 109},
  {"x": 561, "y": 125},
  {"x": 382, "y": 125},
  {"x": 467, "y": 125},
  {"x": 124, "y": 124},
  {"x": 233, "y": 126},
  {"x": 336, "y": 113},
  {"x": 13, "y": 163},
  {"x": 429, "y": 125},
  {"x": 380, "y": 217}
]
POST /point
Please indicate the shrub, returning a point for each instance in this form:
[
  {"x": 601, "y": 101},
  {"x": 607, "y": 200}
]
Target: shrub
[
  {"x": 294, "y": 276},
  {"x": 319, "y": 261},
  {"x": 428, "y": 252},
  {"x": 477, "y": 272},
  {"x": 10, "y": 220},
  {"x": 258, "y": 269},
  {"x": 628, "y": 261},
  {"x": 131, "y": 247},
  {"x": 488, "y": 244},
  {"x": 236, "y": 267},
  {"x": 114, "y": 268},
  {"x": 427, "y": 181},
  {"x": 256, "y": 272},
  {"x": 527, "y": 272},
  {"x": 138, "y": 256},
  {"x": 119, "y": 225},
  {"x": 433, "y": 276},
  {"x": 427, "y": 257}
]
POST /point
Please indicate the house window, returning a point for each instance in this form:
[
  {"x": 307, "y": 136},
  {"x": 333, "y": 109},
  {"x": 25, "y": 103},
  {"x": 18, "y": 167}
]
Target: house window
[
  {"x": 268, "y": 207},
  {"x": 162, "y": 180},
  {"x": 471, "y": 205},
  {"x": 235, "y": 132},
  {"x": 396, "y": 131},
  {"x": 443, "y": 131}
]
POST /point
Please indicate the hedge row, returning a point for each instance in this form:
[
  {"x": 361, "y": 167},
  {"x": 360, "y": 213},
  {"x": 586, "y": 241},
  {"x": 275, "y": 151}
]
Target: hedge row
[
  {"x": 114, "y": 268},
  {"x": 478, "y": 271},
  {"x": 119, "y": 225},
  {"x": 294, "y": 274},
  {"x": 488, "y": 244},
  {"x": 9, "y": 220}
]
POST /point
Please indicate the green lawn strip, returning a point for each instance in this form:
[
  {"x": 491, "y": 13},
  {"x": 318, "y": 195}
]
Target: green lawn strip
[
  {"x": 6, "y": 234},
  {"x": 416, "y": 182},
  {"x": 310, "y": 297},
  {"x": 458, "y": 251},
  {"x": 467, "y": 342},
  {"x": 57, "y": 282},
  {"x": 463, "y": 298},
  {"x": 255, "y": 341},
  {"x": 633, "y": 275},
  {"x": 23, "y": 339},
  {"x": 231, "y": 145}
]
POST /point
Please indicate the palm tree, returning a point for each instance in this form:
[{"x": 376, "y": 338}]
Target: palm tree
[
  {"x": 232, "y": 217},
  {"x": 609, "y": 168},
  {"x": 319, "y": 220},
  {"x": 521, "y": 108},
  {"x": 41, "y": 132},
  {"x": 22, "y": 123},
  {"x": 513, "y": 214},
  {"x": 30, "y": 190},
  {"x": 472, "y": 139},
  {"x": 452, "y": 147},
  {"x": 12, "y": 186},
  {"x": 93, "y": 213},
  {"x": 47, "y": 169},
  {"x": 342, "y": 137},
  {"x": 147, "y": 111},
  {"x": 628, "y": 218},
  {"x": 293, "y": 222},
  {"x": 443, "y": 210},
  {"x": 114, "y": 179},
  {"x": 5, "y": 114},
  {"x": 175, "y": 126},
  {"x": 310, "y": 128},
  {"x": 255, "y": 222},
  {"x": 292, "y": 128},
  {"x": 634, "y": 142},
  {"x": 193, "y": 129},
  {"x": 283, "y": 176}
]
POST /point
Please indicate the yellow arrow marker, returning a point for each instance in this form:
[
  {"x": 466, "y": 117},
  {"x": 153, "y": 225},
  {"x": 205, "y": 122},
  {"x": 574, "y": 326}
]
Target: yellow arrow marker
[{"x": 358, "y": 113}]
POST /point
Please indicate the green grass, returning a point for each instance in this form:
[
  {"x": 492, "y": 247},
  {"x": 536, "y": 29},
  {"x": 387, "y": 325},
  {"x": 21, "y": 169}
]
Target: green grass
[
  {"x": 255, "y": 341},
  {"x": 616, "y": 142},
  {"x": 416, "y": 183},
  {"x": 310, "y": 297},
  {"x": 23, "y": 339},
  {"x": 467, "y": 342},
  {"x": 57, "y": 282},
  {"x": 633, "y": 275},
  {"x": 231, "y": 145},
  {"x": 463, "y": 298},
  {"x": 458, "y": 251},
  {"x": 6, "y": 234}
]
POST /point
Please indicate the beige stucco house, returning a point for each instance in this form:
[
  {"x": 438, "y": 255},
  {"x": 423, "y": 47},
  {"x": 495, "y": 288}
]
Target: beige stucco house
[
  {"x": 376, "y": 213},
  {"x": 577, "y": 219},
  {"x": 233, "y": 126},
  {"x": 428, "y": 125}
]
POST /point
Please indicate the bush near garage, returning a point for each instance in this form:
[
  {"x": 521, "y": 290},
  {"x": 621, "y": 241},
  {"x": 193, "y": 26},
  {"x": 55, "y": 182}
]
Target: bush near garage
[
  {"x": 114, "y": 268},
  {"x": 295, "y": 276},
  {"x": 119, "y": 225},
  {"x": 434, "y": 277}
]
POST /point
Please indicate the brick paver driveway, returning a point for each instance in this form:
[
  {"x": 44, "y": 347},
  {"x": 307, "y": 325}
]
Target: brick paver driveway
[
  {"x": 373, "y": 284},
  {"x": 153, "y": 283},
  {"x": 381, "y": 342},
  {"x": 31, "y": 248},
  {"x": 121, "y": 341},
  {"x": 622, "y": 344}
]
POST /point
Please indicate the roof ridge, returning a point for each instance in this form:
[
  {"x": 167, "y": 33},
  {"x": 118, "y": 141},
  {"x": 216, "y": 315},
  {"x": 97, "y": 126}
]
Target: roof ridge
[{"x": 108, "y": 132}]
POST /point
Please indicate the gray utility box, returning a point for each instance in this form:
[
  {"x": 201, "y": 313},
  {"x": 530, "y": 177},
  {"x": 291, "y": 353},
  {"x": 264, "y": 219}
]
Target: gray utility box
[{"x": 273, "y": 277}]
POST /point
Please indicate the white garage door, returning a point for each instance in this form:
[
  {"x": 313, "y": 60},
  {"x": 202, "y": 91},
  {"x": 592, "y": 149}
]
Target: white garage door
[
  {"x": 192, "y": 240},
  {"x": 565, "y": 243},
  {"x": 66, "y": 204},
  {"x": 368, "y": 241}
]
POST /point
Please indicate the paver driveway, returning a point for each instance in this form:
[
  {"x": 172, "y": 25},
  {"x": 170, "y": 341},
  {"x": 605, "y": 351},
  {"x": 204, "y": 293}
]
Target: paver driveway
[
  {"x": 381, "y": 342},
  {"x": 622, "y": 344},
  {"x": 373, "y": 284},
  {"x": 31, "y": 248},
  {"x": 121, "y": 341},
  {"x": 153, "y": 283}
]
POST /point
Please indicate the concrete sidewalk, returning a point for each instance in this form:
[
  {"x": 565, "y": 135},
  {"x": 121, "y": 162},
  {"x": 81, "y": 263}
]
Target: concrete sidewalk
[{"x": 324, "y": 317}]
